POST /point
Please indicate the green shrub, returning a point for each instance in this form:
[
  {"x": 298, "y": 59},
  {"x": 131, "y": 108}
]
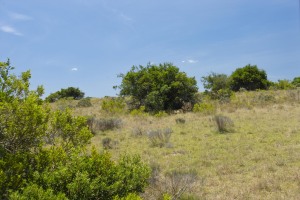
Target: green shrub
[
  {"x": 70, "y": 92},
  {"x": 113, "y": 105},
  {"x": 63, "y": 169},
  {"x": 161, "y": 114},
  {"x": 205, "y": 108},
  {"x": 131, "y": 196},
  {"x": 34, "y": 191},
  {"x": 296, "y": 81},
  {"x": 250, "y": 78},
  {"x": 158, "y": 87},
  {"x": 224, "y": 124},
  {"x": 94, "y": 176},
  {"x": 139, "y": 112}
]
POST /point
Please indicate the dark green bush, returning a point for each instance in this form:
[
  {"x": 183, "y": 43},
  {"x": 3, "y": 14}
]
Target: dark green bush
[
  {"x": 158, "y": 87},
  {"x": 70, "y": 92},
  {"x": 250, "y": 78}
]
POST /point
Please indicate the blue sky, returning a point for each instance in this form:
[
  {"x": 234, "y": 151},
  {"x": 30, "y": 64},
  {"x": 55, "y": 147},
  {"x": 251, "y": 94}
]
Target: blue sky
[{"x": 87, "y": 43}]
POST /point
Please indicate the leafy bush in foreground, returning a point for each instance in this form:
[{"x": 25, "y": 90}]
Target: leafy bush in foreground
[{"x": 62, "y": 169}]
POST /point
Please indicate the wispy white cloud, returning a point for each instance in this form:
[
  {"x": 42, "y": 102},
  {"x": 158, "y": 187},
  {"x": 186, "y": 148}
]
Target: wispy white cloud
[
  {"x": 21, "y": 17},
  {"x": 125, "y": 17},
  {"x": 190, "y": 61},
  {"x": 74, "y": 69},
  {"x": 10, "y": 30}
]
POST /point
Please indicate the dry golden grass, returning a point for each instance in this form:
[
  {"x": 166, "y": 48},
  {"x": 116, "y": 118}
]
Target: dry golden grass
[{"x": 259, "y": 160}]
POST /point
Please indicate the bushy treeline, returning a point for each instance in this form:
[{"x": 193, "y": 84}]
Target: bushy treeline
[
  {"x": 163, "y": 87},
  {"x": 43, "y": 153},
  {"x": 248, "y": 78}
]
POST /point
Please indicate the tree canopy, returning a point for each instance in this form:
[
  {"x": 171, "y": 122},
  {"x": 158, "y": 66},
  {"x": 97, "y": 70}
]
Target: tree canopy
[
  {"x": 158, "y": 87},
  {"x": 249, "y": 78},
  {"x": 215, "y": 82}
]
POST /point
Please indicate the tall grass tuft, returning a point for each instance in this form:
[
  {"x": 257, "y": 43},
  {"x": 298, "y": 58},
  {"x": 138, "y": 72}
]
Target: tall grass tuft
[
  {"x": 224, "y": 124},
  {"x": 176, "y": 184},
  {"x": 160, "y": 138},
  {"x": 103, "y": 124}
]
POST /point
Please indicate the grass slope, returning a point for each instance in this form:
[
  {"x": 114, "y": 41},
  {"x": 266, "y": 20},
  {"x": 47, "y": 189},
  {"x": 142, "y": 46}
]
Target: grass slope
[{"x": 260, "y": 159}]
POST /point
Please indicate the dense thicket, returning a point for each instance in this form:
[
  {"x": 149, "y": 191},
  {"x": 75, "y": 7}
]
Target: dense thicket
[
  {"x": 158, "y": 87},
  {"x": 42, "y": 153}
]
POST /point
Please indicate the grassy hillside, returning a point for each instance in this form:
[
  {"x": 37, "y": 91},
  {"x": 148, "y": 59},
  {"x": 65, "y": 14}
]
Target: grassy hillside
[{"x": 258, "y": 159}]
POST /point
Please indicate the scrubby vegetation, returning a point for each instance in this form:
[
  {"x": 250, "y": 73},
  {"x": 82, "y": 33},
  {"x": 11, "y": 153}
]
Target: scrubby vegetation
[
  {"x": 223, "y": 144},
  {"x": 43, "y": 153}
]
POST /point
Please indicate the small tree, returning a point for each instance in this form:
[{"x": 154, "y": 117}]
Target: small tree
[
  {"x": 69, "y": 92},
  {"x": 217, "y": 86},
  {"x": 23, "y": 118},
  {"x": 158, "y": 87},
  {"x": 249, "y": 78},
  {"x": 282, "y": 85},
  {"x": 215, "y": 82}
]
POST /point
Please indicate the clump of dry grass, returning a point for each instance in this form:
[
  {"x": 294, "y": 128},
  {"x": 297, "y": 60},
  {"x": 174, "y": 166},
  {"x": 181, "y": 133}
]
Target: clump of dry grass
[
  {"x": 160, "y": 138},
  {"x": 108, "y": 143},
  {"x": 176, "y": 184},
  {"x": 103, "y": 124},
  {"x": 224, "y": 124}
]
